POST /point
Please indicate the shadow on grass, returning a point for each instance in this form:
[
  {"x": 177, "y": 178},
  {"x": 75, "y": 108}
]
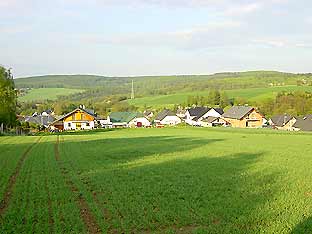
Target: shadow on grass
[
  {"x": 112, "y": 152},
  {"x": 167, "y": 184},
  {"x": 303, "y": 228},
  {"x": 202, "y": 195}
]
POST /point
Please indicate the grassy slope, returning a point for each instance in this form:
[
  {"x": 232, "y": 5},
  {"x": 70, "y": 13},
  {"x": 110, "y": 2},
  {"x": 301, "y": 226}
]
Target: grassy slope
[
  {"x": 174, "y": 180},
  {"x": 250, "y": 94},
  {"x": 47, "y": 93}
]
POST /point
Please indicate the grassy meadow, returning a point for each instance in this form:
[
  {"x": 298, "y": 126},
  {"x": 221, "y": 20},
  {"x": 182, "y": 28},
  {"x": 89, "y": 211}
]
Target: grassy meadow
[
  {"x": 249, "y": 94},
  {"x": 47, "y": 94},
  {"x": 171, "y": 180}
]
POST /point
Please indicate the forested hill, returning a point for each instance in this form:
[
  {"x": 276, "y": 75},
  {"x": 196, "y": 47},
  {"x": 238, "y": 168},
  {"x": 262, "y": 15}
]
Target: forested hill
[
  {"x": 226, "y": 80},
  {"x": 106, "y": 94}
]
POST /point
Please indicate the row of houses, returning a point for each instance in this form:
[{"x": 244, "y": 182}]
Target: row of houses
[{"x": 237, "y": 117}]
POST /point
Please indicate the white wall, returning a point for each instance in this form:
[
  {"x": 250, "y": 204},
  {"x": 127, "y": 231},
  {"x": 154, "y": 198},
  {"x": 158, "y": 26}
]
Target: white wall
[
  {"x": 171, "y": 120},
  {"x": 83, "y": 125},
  {"x": 145, "y": 122}
]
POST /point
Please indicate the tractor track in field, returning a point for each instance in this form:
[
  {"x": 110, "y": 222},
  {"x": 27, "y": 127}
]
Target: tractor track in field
[
  {"x": 85, "y": 212},
  {"x": 12, "y": 181}
]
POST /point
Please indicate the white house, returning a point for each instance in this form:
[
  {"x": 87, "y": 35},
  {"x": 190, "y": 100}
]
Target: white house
[
  {"x": 195, "y": 115},
  {"x": 105, "y": 123},
  {"x": 167, "y": 117},
  {"x": 128, "y": 119}
]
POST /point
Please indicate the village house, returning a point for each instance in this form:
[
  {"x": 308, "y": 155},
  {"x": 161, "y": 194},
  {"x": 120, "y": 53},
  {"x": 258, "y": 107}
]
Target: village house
[
  {"x": 303, "y": 124},
  {"x": 105, "y": 123},
  {"x": 148, "y": 114},
  {"x": 40, "y": 120},
  {"x": 181, "y": 113},
  {"x": 283, "y": 122},
  {"x": 195, "y": 115},
  {"x": 48, "y": 113},
  {"x": 78, "y": 119},
  {"x": 213, "y": 122},
  {"x": 243, "y": 117},
  {"x": 128, "y": 119},
  {"x": 167, "y": 117}
]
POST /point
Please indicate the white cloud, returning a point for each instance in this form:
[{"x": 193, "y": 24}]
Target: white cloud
[
  {"x": 213, "y": 34},
  {"x": 282, "y": 43},
  {"x": 14, "y": 29},
  {"x": 244, "y": 9}
]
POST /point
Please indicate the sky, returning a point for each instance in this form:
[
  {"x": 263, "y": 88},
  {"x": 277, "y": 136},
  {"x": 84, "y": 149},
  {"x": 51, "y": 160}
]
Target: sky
[{"x": 154, "y": 37}]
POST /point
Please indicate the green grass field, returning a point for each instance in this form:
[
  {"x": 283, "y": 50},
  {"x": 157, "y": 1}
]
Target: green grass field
[
  {"x": 171, "y": 180},
  {"x": 250, "y": 94},
  {"x": 47, "y": 94}
]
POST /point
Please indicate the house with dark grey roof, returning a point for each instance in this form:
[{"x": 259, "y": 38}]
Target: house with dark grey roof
[
  {"x": 167, "y": 117},
  {"x": 41, "y": 120},
  {"x": 243, "y": 117},
  {"x": 303, "y": 124},
  {"x": 195, "y": 115},
  {"x": 47, "y": 112},
  {"x": 128, "y": 119},
  {"x": 283, "y": 122}
]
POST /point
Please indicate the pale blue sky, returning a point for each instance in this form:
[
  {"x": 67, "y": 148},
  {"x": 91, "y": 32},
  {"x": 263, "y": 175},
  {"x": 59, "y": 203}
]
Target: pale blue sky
[{"x": 154, "y": 37}]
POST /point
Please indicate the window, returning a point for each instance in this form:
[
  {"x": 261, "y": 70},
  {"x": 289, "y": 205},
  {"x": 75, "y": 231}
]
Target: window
[
  {"x": 87, "y": 124},
  {"x": 69, "y": 125}
]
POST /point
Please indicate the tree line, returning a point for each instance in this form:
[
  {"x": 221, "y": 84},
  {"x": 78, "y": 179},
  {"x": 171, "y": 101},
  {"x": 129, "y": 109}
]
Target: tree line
[{"x": 7, "y": 99}]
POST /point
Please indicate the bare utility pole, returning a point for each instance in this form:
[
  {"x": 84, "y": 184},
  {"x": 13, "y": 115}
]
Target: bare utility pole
[{"x": 132, "y": 91}]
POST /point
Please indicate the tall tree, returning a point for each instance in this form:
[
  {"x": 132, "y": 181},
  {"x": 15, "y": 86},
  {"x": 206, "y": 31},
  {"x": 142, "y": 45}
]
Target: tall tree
[{"x": 7, "y": 98}]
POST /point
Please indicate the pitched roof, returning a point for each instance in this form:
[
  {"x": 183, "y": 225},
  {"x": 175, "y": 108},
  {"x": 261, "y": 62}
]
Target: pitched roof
[
  {"x": 40, "y": 119},
  {"x": 164, "y": 114},
  {"x": 237, "y": 112},
  {"x": 147, "y": 112},
  {"x": 304, "y": 124},
  {"x": 219, "y": 110},
  {"x": 77, "y": 109},
  {"x": 281, "y": 120},
  {"x": 198, "y": 111},
  {"x": 210, "y": 119},
  {"x": 124, "y": 117}
]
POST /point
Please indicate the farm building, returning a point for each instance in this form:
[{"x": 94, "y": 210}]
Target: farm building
[
  {"x": 128, "y": 119},
  {"x": 194, "y": 116},
  {"x": 167, "y": 117},
  {"x": 78, "y": 119},
  {"x": 283, "y": 122},
  {"x": 243, "y": 117}
]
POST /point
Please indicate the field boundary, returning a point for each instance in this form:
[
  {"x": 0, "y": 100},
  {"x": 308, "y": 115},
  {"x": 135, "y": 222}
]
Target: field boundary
[
  {"x": 12, "y": 181},
  {"x": 85, "y": 212}
]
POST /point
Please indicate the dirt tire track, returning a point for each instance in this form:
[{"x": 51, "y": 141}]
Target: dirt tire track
[
  {"x": 85, "y": 212},
  {"x": 9, "y": 189}
]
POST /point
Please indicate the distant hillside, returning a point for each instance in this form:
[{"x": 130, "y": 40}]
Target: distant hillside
[
  {"x": 62, "y": 81},
  {"x": 98, "y": 87}
]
